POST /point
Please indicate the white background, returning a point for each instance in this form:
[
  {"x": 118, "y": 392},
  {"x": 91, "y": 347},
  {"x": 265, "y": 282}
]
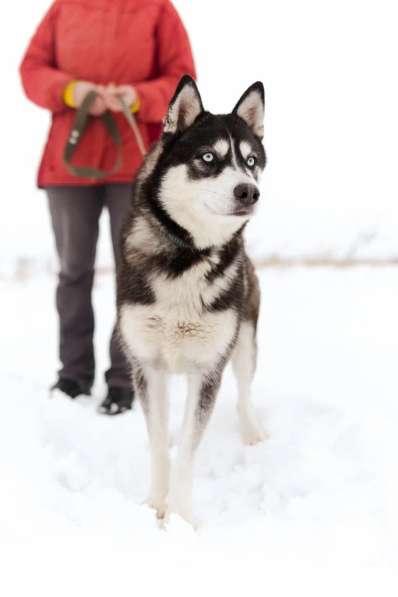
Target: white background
[{"x": 329, "y": 70}]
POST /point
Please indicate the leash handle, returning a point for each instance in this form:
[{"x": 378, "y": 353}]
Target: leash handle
[{"x": 79, "y": 126}]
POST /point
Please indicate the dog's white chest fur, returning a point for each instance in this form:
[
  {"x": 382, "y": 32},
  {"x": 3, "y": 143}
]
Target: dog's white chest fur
[{"x": 175, "y": 332}]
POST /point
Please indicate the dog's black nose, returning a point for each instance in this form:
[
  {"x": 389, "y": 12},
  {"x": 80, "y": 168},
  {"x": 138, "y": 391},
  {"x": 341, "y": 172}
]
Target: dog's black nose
[{"x": 246, "y": 194}]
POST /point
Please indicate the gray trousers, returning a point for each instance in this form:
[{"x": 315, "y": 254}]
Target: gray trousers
[{"x": 75, "y": 213}]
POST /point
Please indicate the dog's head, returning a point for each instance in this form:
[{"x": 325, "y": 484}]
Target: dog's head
[{"x": 210, "y": 166}]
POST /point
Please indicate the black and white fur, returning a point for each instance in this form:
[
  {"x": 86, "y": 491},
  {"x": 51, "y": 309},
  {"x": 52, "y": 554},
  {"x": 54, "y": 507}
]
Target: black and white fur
[{"x": 188, "y": 296}]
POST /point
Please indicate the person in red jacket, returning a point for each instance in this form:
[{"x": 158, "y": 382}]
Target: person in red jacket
[{"x": 137, "y": 49}]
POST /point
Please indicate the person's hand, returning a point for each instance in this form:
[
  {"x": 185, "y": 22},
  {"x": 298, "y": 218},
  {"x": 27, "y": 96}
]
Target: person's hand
[
  {"x": 82, "y": 88},
  {"x": 113, "y": 92}
]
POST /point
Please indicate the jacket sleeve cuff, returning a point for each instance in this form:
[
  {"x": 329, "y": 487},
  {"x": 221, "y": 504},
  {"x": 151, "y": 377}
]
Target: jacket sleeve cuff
[
  {"x": 136, "y": 105},
  {"x": 68, "y": 94}
]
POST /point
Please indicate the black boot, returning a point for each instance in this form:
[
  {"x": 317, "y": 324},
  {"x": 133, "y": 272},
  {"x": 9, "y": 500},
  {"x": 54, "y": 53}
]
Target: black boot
[
  {"x": 71, "y": 387},
  {"x": 118, "y": 400}
]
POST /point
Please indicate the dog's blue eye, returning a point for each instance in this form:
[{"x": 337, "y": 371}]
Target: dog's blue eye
[
  {"x": 251, "y": 161},
  {"x": 208, "y": 157}
]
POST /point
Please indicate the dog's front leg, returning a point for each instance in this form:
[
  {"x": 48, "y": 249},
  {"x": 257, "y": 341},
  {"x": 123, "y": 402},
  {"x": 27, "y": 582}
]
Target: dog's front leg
[
  {"x": 152, "y": 390},
  {"x": 202, "y": 390}
]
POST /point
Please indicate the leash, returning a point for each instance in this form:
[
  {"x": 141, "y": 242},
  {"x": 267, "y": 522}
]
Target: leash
[
  {"x": 79, "y": 126},
  {"x": 131, "y": 119}
]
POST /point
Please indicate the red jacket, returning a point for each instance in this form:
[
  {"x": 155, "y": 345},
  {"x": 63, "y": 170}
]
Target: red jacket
[{"x": 137, "y": 42}]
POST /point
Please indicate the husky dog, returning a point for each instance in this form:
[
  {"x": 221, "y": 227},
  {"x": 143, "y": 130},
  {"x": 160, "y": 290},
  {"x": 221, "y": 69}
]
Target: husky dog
[{"x": 188, "y": 296}]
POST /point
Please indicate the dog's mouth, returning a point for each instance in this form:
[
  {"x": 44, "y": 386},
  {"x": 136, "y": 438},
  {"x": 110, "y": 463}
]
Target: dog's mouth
[
  {"x": 243, "y": 211},
  {"x": 239, "y": 211}
]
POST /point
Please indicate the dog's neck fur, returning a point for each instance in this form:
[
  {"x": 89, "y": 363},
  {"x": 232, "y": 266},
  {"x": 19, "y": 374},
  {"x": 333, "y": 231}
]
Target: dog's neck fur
[{"x": 148, "y": 236}]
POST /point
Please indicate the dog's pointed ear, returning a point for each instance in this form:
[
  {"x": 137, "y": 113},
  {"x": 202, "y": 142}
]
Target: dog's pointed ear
[
  {"x": 184, "y": 108},
  {"x": 250, "y": 108}
]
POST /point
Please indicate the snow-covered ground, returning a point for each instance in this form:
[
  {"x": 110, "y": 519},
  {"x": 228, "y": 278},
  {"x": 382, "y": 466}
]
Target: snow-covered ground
[{"x": 312, "y": 511}]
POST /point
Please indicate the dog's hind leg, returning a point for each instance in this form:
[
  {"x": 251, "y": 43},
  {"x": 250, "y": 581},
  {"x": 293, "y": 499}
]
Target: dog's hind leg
[
  {"x": 202, "y": 391},
  {"x": 244, "y": 366},
  {"x": 151, "y": 387}
]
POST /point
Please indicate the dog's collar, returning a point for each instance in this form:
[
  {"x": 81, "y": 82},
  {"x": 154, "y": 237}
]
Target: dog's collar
[
  {"x": 166, "y": 226},
  {"x": 182, "y": 244},
  {"x": 179, "y": 242}
]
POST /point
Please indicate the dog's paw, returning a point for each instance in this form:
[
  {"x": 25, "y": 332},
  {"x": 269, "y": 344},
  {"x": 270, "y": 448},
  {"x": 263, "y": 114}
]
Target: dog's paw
[
  {"x": 158, "y": 505},
  {"x": 182, "y": 510},
  {"x": 171, "y": 515},
  {"x": 252, "y": 432},
  {"x": 174, "y": 523}
]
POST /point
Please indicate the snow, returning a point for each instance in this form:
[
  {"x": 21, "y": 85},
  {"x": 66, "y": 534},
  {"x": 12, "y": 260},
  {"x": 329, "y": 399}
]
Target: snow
[{"x": 314, "y": 506}]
